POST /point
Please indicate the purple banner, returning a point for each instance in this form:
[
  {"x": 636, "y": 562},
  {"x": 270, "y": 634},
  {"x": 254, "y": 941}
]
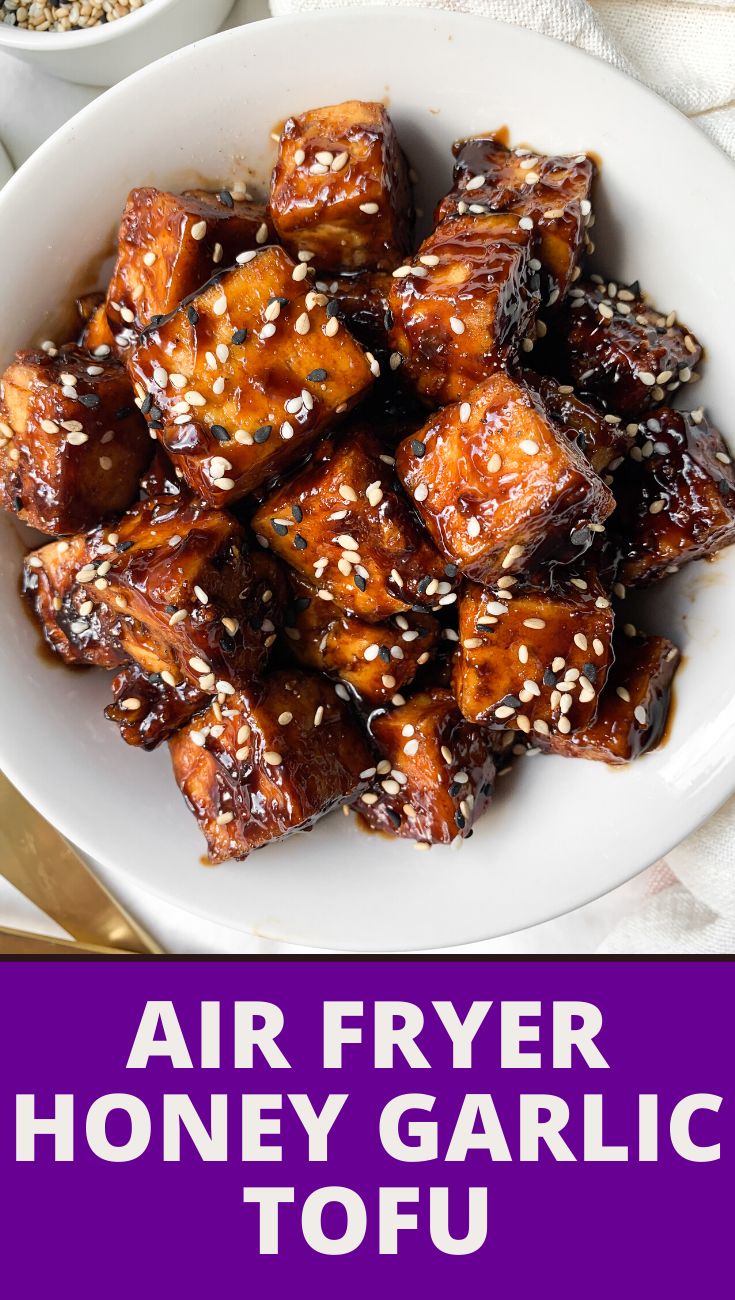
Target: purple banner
[{"x": 366, "y": 1128}]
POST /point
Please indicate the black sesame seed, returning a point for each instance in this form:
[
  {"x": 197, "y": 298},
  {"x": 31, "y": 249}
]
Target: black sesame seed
[
  {"x": 89, "y": 399},
  {"x": 317, "y": 376},
  {"x": 297, "y": 513},
  {"x": 18, "y": 503},
  {"x": 454, "y": 789},
  {"x": 156, "y": 414},
  {"x": 302, "y": 603},
  {"x": 193, "y": 315},
  {"x": 580, "y": 537},
  {"x": 393, "y": 817},
  {"x": 450, "y": 570},
  {"x": 239, "y": 337},
  {"x": 550, "y": 677},
  {"x": 281, "y": 529},
  {"x": 226, "y": 198},
  {"x": 124, "y": 412},
  {"x": 581, "y": 441},
  {"x": 421, "y": 589},
  {"x": 511, "y": 701},
  {"x": 220, "y": 433},
  {"x": 333, "y": 308},
  {"x": 263, "y": 433},
  {"x": 469, "y": 834},
  {"x": 360, "y": 582},
  {"x": 589, "y": 671},
  {"x": 146, "y": 404},
  {"x": 300, "y": 542},
  {"x": 154, "y": 321},
  {"x": 418, "y": 448},
  {"x": 459, "y": 819},
  {"x": 388, "y": 320},
  {"x": 724, "y": 486},
  {"x": 170, "y": 609},
  {"x": 227, "y": 643},
  {"x": 384, "y": 654},
  {"x": 123, "y": 546},
  {"x": 155, "y": 679},
  {"x": 487, "y": 789}
]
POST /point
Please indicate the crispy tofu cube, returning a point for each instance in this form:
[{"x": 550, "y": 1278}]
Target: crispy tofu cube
[
  {"x": 181, "y": 573},
  {"x": 634, "y": 707},
  {"x": 677, "y": 495},
  {"x": 464, "y": 305},
  {"x": 239, "y": 382},
  {"x": 552, "y": 192},
  {"x": 77, "y": 629},
  {"x": 374, "y": 659},
  {"x": 345, "y": 526},
  {"x": 436, "y": 773},
  {"x": 534, "y": 657},
  {"x": 169, "y": 245},
  {"x": 499, "y": 484},
  {"x": 147, "y": 710},
  {"x": 273, "y": 761},
  {"x": 619, "y": 351},
  {"x": 603, "y": 439},
  {"x": 340, "y": 188},
  {"x": 72, "y": 444}
]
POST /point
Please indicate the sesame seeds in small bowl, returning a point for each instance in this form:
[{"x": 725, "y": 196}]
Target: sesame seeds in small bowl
[{"x": 99, "y": 42}]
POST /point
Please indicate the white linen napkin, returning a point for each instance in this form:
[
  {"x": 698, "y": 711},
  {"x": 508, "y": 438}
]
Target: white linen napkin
[{"x": 686, "y": 52}]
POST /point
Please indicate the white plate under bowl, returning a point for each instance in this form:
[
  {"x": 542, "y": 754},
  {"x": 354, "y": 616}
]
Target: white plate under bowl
[{"x": 560, "y": 832}]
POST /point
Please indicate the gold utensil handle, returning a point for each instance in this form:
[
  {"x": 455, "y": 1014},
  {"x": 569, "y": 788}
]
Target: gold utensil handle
[
  {"x": 21, "y": 943},
  {"x": 43, "y": 865}
]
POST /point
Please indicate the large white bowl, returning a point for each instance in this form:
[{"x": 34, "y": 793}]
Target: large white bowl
[
  {"x": 103, "y": 55},
  {"x": 560, "y": 832}
]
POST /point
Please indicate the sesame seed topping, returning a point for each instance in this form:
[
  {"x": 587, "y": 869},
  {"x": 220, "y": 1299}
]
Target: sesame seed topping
[
  {"x": 473, "y": 527},
  {"x": 465, "y": 412},
  {"x": 536, "y": 624},
  {"x": 272, "y": 758},
  {"x": 455, "y": 324},
  {"x": 529, "y": 446},
  {"x": 219, "y": 306},
  {"x": 369, "y": 208},
  {"x": 421, "y": 492},
  {"x": 640, "y": 714}
]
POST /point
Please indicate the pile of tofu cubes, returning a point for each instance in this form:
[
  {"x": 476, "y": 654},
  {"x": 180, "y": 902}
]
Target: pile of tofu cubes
[{"x": 352, "y": 520}]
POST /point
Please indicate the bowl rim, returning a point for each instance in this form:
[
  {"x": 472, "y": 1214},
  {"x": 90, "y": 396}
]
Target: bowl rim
[
  {"x": 719, "y": 789},
  {"x": 24, "y": 38}
]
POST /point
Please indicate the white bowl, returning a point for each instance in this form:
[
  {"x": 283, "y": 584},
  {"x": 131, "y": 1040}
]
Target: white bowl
[
  {"x": 103, "y": 55},
  {"x": 560, "y": 832}
]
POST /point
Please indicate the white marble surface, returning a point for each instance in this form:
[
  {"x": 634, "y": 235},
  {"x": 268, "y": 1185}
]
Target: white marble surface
[{"x": 32, "y": 106}]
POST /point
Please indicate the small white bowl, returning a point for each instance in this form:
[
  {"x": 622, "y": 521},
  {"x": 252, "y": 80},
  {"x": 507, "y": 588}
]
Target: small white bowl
[{"x": 103, "y": 55}]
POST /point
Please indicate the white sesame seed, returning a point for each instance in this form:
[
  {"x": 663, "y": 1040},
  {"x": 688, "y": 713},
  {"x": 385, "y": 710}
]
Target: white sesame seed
[
  {"x": 302, "y": 325},
  {"x": 300, "y": 272},
  {"x": 525, "y": 223},
  {"x": 529, "y": 446},
  {"x": 656, "y": 507},
  {"x": 465, "y": 412},
  {"x": 473, "y": 527},
  {"x": 421, "y": 492},
  {"x": 455, "y": 324},
  {"x": 369, "y": 209},
  {"x": 339, "y": 161},
  {"x": 149, "y": 258},
  {"x": 49, "y": 426},
  {"x": 272, "y": 758},
  {"x": 261, "y": 233},
  {"x": 224, "y": 484},
  {"x": 219, "y": 306},
  {"x": 347, "y": 493},
  {"x": 199, "y": 230},
  {"x": 193, "y": 398},
  {"x": 536, "y": 624},
  {"x": 580, "y": 640}
]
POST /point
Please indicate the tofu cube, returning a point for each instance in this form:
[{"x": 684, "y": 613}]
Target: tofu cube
[
  {"x": 552, "y": 192},
  {"x": 340, "y": 188},
  {"x": 375, "y": 660},
  {"x": 72, "y": 444},
  {"x": 147, "y": 710},
  {"x": 534, "y": 657},
  {"x": 499, "y": 484},
  {"x": 77, "y": 629},
  {"x": 169, "y": 245},
  {"x": 239, "y": 382},
  {"x": 464, "y": 304},
  {"x": 274, "y": 760},
  {"x": 436, "y": 773},
  {"x": 619, "y": 351},
  {"x": 603, "y": 439},
  {"x": 634, "y": 707},
  {"x": 677, "y": 495},
  {"x": 344, "y": 525},
  {"x": 182, "y": 579}
]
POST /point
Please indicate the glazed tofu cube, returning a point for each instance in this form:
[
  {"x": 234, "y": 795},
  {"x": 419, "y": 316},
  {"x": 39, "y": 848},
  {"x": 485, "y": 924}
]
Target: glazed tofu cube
[
  {"x": 344, "y": 525},
  {"x": 464, "y": 305},
  {"x": 375, "y": 660},
  {"x": 181, "y": 573},
  {"x": 499, "y": 484},
  {"x": 273, "y": 761},
  {"x": 619, "y": 351},
  {"x": 240, "y": 381},
  {"x": 534, "y": 657},
  {"x": 77, "y": 629},
  {"x": 677, "y": 495},
  {"x": 552, "y": 192},
  {"x": 74, "y": 443},
  {"x": 169, "y": 245},
  {"x": 436, "y": 773},
  {"x": 634, "y": 707},
  {"x": 603, "y": 439},
  {"x": 147, "y": 710},
  {"x": 340, "y": 188}
]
